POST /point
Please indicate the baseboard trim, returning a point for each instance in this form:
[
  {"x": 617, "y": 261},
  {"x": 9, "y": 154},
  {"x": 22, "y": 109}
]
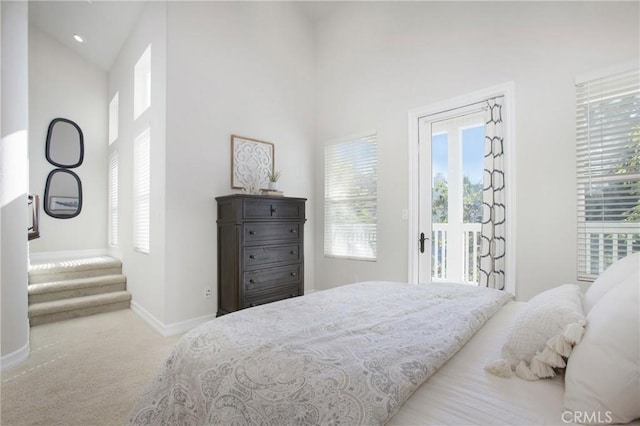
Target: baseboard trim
[
  {"x": 184, "y": 326},
  {"x": 51, "y": 256},
  {"x": 114, "y": 252},
  {"x": 170, "y": 329},
  {"x": 16, "y": 358}
]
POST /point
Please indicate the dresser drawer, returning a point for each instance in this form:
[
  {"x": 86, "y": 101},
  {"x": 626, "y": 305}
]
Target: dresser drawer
[
  {"x": 263, "y": 255},
  {"x": 261, "y": 232},
  {"x": 273, "y": 296},
  {"x": 264, "y": 280},
  {"x": 273, "y": 208}
]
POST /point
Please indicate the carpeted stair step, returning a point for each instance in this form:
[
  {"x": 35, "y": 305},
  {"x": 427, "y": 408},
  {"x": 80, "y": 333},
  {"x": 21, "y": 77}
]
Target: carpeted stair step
[
  {"x": 57, "y": 290},
  {"x": 73, "y": 269},
  {"x": 58, "y": 310}
]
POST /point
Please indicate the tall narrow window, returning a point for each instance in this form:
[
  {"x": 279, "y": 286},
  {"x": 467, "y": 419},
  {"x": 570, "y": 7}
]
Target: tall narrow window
[
  {"x": 113, "y": 118},
  {"x": 608, "y": 157},
  {"x": 141, "y": 191},
  {"x": 350, "y": 200},
  {"x": 113, "y": 199},
  {"x": 142, "y": 84}
]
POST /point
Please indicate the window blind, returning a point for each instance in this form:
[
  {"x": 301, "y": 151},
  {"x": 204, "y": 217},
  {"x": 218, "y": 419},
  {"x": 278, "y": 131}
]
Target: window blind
[
  {"x": 141, "y": 191},
  {"x": 350, "y": 201},
  {"x": 113, "y": 199},
  {"x": 608, "y": 170}
]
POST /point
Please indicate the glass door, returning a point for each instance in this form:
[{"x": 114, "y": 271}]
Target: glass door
[{"x": 451, "y": 175}]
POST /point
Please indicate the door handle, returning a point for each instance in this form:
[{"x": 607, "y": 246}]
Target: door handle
[{"x": 422, "y": 240}]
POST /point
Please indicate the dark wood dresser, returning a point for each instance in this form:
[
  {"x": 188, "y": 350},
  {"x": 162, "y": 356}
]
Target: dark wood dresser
[{"x": 260, "y": 250}]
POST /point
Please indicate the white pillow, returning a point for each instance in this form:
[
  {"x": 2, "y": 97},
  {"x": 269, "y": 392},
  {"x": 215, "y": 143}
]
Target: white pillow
[
  {"x": 543, "y": 334},
  {"x": 603, "y": 374},
  {"x": 614, "y": 274}
]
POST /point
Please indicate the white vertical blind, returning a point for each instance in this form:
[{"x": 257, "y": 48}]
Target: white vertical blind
[
  {"x": 141, "y": 191},
  {"x": 350, "y": 200},
  {"x": 608, "y": 170},
  {"x": 113, "y": 199}
]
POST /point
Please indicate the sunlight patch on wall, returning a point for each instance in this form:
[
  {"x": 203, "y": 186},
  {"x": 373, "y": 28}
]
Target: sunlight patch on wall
[
  {"x": 142, "y": 84},
  {"x": 14, "y": 170}
]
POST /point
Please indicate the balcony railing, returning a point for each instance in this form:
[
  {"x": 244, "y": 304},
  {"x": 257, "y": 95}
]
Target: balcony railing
[
  {"x": 357, "y": 241},
  {"x": 445, "y": 263},
  {"x": 602, "y": 243}
]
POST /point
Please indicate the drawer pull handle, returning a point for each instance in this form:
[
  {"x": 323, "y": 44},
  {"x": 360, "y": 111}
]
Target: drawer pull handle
[
  {"x": 252, "y": 281},
  {"x": 293, "y": 230},
  {"x": 252, "y": 232},
  {"x": 292, "y": 252},
  {"x": 293, "y": 274},
  {"x": 251, "y": 256},
  {"x": 273, "y": 210}
]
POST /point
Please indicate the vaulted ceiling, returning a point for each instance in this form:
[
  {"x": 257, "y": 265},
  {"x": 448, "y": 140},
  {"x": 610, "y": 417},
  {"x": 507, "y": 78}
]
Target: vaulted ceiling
[{"x": 105, "y": 25}]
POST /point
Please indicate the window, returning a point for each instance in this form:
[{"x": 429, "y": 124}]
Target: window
[
  {"x": 350, "y": 200},
  {"x": 608, "y": 167},
  {"x": 113, "y": 118},
  {"x": 142, "y": 84},
  {"x": 141, "y": 191},
  {"x": 113, "y": 199}
]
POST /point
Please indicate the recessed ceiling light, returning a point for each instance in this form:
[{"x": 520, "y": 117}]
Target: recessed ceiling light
[{"x": 78, "y": 38}]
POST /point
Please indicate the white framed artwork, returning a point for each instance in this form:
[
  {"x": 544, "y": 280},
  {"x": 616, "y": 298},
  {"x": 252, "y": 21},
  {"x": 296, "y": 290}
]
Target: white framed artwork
[{"x": 251, "y": 162}]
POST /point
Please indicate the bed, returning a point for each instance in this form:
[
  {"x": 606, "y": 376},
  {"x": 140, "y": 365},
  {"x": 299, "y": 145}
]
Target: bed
[
  {"x": 463, "y": 393},
  {"x": 399, "y": 354}
]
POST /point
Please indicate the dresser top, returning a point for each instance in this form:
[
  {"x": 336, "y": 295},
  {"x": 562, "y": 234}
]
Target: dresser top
[{"x": 266, "y": 197}]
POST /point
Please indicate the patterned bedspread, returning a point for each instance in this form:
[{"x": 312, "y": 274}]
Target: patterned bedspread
[{"x": 350, "y": 355}]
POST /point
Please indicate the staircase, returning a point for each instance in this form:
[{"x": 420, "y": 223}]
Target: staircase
[{"x": 74, "y": 288}]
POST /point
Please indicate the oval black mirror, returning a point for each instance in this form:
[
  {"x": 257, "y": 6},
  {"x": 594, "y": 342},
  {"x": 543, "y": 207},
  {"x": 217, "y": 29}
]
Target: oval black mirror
[
  {"x": 65, "y": 143},
  {"x": 63, "y": 194}
]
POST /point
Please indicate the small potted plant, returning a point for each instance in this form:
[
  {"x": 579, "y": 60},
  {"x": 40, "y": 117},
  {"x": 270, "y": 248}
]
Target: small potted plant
[{"x": 273, "y": 180}]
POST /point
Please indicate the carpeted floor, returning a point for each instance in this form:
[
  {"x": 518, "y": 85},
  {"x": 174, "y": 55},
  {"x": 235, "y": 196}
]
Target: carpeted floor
[{"x": 87, "y": 371}]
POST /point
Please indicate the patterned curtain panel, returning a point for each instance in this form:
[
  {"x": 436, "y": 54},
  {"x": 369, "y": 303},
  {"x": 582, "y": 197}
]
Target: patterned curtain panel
[{"x": 492, "y": 251}]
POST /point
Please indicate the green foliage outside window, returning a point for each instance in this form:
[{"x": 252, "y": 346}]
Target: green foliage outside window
[{"x": 471, "y": 201}]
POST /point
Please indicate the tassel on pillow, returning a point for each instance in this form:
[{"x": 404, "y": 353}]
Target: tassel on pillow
[
  {"x": 500, "y": 368},
  {"x": 551, "y": 358},
  {"x": 559, "y": 345},
  {"x": 524, "y": 372},
  {"x": 574, "y": 331},
  {"x": 540, "y": 369}
]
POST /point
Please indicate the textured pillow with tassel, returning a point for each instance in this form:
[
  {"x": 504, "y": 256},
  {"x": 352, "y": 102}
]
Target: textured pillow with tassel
[{"x": 542, "y": 335}]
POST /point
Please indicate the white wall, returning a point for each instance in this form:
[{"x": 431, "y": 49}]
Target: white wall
[
  {"x": 377, "y": 61},
  {"x": 145, "y": 272},
  {"x": 14, "y": 175},
  {"x": 62, "y": 84},
  {"x": 233, "y": 68}
]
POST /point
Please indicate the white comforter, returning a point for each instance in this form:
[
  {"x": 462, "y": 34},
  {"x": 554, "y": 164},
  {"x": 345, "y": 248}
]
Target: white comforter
[{"x": 351, "y": 355}]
